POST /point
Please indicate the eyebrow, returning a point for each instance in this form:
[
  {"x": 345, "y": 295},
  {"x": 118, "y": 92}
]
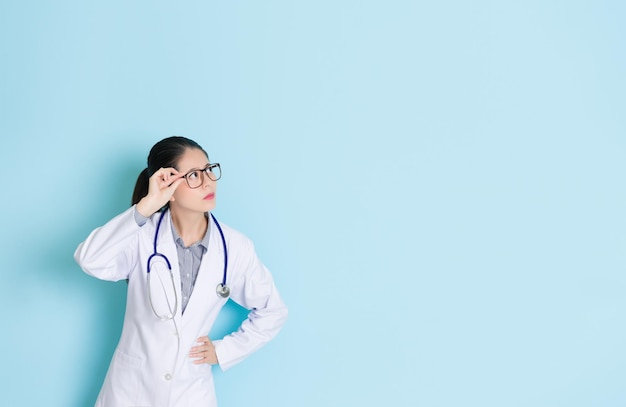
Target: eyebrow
[{"x": 197, "y": 169}]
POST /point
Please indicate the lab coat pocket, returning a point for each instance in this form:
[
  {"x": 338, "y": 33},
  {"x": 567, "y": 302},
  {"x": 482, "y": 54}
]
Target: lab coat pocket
[
  {"x": 200, "y": 371},
  {"x": 127, "y": 360},
  {"x": 200, "y": 389},
  {"x": 124, "y": 379}
]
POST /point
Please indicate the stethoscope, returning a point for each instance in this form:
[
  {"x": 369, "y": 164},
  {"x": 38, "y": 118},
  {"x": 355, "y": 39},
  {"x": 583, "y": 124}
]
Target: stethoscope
[{"x": 222, "y": 290}]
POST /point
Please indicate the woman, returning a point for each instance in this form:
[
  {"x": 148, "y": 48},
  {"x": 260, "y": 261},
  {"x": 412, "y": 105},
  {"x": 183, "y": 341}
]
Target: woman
[{"x": 174, "y": 253}]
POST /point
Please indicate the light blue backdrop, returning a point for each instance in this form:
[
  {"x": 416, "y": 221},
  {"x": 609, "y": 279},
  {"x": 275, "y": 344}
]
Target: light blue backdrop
[{"x": 437, "y": 188}]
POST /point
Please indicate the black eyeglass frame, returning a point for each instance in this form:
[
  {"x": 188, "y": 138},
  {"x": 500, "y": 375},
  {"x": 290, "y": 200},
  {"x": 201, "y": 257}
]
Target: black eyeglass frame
[{"x": 208, "y": 171}]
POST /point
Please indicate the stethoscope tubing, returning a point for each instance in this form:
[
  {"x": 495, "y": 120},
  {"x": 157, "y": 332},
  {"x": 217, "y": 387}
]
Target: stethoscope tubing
[
  {"x": 219, "y": 228},
  {"x": 222, "y": 289}
]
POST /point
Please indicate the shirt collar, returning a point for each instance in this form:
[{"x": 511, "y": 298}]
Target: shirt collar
[{"x": 204, "y": 243}]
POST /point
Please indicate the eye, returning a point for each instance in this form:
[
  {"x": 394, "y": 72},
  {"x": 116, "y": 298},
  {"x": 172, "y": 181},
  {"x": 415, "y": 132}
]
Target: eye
[{"x": 193, "y": 175}]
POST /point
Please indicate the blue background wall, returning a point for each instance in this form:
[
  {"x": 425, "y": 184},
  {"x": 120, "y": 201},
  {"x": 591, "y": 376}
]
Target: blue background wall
[{"x": 437, "y": 188}]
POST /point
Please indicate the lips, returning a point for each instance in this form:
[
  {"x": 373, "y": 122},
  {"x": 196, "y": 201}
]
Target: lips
[{"x": 209, "y": 196}]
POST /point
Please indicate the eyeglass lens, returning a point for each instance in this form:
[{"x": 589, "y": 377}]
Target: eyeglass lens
[{"x": 196, "y": 178}]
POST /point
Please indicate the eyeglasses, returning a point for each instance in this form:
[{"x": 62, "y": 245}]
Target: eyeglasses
[{"x": 195, "y": 178}]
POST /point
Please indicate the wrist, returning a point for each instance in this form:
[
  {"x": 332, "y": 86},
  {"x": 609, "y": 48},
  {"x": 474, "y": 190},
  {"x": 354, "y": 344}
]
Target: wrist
[{"x": 146, "y": 208}]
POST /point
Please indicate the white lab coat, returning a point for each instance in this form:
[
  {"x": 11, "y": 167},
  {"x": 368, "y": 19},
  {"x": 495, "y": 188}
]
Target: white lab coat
[{"x": 151, "y": 366}]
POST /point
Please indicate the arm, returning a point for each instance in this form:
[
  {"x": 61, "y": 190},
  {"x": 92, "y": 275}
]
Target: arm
[
  {"x": 107, "y": 252},
  {"x": 255, "y": 291}
]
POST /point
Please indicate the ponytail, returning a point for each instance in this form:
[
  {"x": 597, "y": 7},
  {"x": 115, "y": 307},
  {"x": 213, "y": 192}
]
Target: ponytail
[{"x": 141, "y": 187}]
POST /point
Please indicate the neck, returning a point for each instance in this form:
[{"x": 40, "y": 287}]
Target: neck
[{"x": 191, "y": 227}]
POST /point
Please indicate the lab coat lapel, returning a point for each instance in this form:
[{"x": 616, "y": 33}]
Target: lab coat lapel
[{"x": 203, "y": 296}]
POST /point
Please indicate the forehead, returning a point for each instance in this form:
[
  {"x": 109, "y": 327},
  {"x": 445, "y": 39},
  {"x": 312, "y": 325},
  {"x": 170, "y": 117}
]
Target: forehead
[{"x": 192, "y": 159}]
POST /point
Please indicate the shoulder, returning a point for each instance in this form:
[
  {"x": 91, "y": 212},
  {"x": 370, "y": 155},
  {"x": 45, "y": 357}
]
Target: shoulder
[{"x": 233, "y": 236}]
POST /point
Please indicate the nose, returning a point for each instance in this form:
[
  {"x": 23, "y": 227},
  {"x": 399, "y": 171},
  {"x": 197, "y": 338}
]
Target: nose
[{"x": 206, "y": 180}]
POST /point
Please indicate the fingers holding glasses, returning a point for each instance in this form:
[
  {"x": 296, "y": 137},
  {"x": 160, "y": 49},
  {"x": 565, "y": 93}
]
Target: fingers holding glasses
[
  {"x": 161, "y": 187},
  {"x": 169, "y": 175},
  {"x": 164, "y": 182}
]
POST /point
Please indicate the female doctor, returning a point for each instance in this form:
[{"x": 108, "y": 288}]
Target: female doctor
[{"x": 181, "y": 265}]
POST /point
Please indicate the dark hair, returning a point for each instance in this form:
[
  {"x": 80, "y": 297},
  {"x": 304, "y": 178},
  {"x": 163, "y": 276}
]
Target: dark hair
[{"x": 163, "y": 154}]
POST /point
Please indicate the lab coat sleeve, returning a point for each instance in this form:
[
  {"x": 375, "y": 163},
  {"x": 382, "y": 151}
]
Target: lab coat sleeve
[
  {"x": 106, "y": 254},
  {"x": 255, "y": 291}
]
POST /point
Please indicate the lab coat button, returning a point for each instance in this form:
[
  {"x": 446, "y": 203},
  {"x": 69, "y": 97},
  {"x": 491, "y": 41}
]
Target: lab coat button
[{"x": 168, "y": 377}]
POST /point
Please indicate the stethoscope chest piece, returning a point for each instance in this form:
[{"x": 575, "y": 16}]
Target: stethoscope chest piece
[{"x": 222, "y": 290}]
